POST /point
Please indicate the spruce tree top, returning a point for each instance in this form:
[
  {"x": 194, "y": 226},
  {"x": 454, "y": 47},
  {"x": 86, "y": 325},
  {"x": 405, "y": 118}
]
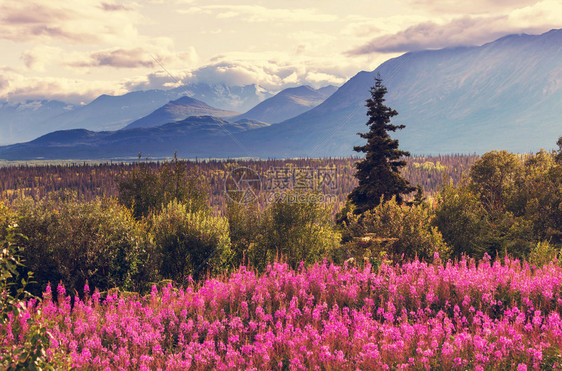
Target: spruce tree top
[{"x": 379, "y": 172}]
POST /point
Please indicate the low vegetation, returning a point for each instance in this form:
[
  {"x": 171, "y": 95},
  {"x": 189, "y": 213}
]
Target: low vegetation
[
  {"x": 464, "y": 315},
  {"x": 309, "y": 282}
]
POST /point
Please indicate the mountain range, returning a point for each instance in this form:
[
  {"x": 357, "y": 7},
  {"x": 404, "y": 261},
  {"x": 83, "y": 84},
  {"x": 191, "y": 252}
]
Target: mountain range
[
  {"x": 23, "y": 122},
  {"x": 506, "y": 94}
]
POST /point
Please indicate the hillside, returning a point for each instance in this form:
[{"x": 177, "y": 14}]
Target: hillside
[
  {"x": 502, "y": 95},
  {"x": 178, "y": 110},
  {"x": 288, "y": 103}
]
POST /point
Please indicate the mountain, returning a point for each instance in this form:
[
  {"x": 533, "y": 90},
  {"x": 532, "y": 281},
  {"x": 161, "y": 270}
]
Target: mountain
[
  {"x": 18, "y": 121},
  {"x": 230, "y": 98},
  {"x": 288, "y": 103},
  {"x": 178, "y": 110},
  {"x": 192, "y": 134},
  {"x": 108, "y": 112},
  {"x": 23, "y": 122},
  {"x": 502, "y": 95}
]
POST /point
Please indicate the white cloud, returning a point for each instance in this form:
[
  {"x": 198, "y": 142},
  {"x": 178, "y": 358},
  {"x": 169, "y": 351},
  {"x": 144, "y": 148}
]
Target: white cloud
[
  {"x": 39, "y": 57},
  {"x": 466, "y": 30},
  {"x": 273, "y": 71},
  {"x": 139, "y": 57},
  {"x": 21, "y": 87},
  {"x": 470, "y": 7},
  {"x": 261, "y": 14},
  {"x": 76, "y": 21}
]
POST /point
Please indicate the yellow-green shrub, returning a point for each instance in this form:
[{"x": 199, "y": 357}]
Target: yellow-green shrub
[
  {"x": 190, "y": 243},
  {"x": 70, "y": 241}
]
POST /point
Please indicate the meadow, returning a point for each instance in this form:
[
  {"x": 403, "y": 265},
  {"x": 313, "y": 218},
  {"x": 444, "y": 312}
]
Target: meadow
[
  {"x": 148, "y": 266},
  {"x": 445, "y": 315}
]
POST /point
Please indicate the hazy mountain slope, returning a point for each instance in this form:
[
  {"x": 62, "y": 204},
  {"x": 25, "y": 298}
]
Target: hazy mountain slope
[
  {"x": 192, "y": 134},
  {"x": 230, "y": 98},
  {"x": 178, "y": 110},
  {"x": 288, "y": 103},
  {"x": 18, "y": 121},
  {"x": 111, "y": 112},
  {"x": 502, "y": 95}
]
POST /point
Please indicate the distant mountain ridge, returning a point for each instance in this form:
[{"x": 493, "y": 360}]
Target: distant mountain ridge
[
  {"x": 17, "y": 119},
  {"x": 506, "y": 94},
  {"x": 177, "y": 110},
  {"x": 289, "y": 103},
  {"x": 108, "y": 112},
  {"x": 193, "y": 133}
]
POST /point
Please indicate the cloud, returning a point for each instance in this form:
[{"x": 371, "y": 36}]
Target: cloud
[
  {"x": 76, "y": 21},
  {"x": 157, "y": 53},
  {"x": 470, "y": 7},
  {"x": 21, "y": 87},
  {"x": 273, "y": 72},
  {"x": 462, "y": 31},
  {"x": 260, "y": 14},
  {"x": 39, "y": 57},
  {"x": 113, "y": 7}
]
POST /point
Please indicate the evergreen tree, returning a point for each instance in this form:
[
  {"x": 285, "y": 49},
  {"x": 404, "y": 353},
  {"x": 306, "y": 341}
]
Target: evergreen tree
[{"x": 379, "y": 172}]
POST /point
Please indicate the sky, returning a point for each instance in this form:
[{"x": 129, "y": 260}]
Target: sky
[{"x": 75, "y": 50}]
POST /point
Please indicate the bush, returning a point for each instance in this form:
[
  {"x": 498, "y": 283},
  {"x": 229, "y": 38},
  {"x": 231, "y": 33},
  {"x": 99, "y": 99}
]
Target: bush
[
  {"x": 543, "y": 253},
  {"x": 29, "y": 353},
  {"x": 460, "y": 217},
  {"x": 190, "y": 243},
  {"x": 244, "y": 222},
  {"x": 7, "y": 218},
  {"x": 145, "y": 191},
  {"x": 398, "y": 230},
  {"x": 296, "y": 231},
  {"x": 73, "y": 242}
]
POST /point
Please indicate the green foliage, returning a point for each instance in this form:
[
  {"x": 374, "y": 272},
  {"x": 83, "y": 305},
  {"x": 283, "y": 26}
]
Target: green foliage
[
  {"x": 190, "y": 243},
  {"x": 559, "y": 152},
  {"x": 70, "y": 241},
  {"x": 244, "y": 222},
  {"x": 398, "y": 230},
  {"x": 460, "y": 217},
  {"x": 543, "y": 253},
  {"x": 7, "y": 218},
  {"x": 539, "y": 197},
  {"x": 146, "y": 191},
  {"x": 507, "y": 206},
  {"x": 296, "y": 228},
  {"x": 379, "y": 173},
  {"x": 30, "y": 352},
  {"x": 493, "y": 178}
]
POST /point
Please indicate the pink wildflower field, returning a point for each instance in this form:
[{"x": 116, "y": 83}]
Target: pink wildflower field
[{"x": 466, "y": 315}]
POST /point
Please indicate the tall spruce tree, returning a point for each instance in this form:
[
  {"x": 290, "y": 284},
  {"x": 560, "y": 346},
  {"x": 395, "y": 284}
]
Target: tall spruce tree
[{"x": 379, "y": 172}]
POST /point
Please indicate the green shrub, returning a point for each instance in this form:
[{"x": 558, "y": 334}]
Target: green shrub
[
  {"x": 297, "y": 228},
  {"x": 398, "y": 230},
  {"x": 29, "y": 353},
  {"x": 7, "y": 218},
  {"x": 493, "y": 178},
  {"x": 460, "y": 217},
  {"x": 244, "y": 222},
  {"x": 543, "y": 253},
  {"x": 190, "y": 243},
  {"x": 146, "y": 191},
  {"x": 72, "y": 242}
]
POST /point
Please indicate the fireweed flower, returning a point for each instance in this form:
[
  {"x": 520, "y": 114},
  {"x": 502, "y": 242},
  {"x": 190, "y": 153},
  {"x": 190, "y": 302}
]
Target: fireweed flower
[{"x": 467, "y": 314}]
